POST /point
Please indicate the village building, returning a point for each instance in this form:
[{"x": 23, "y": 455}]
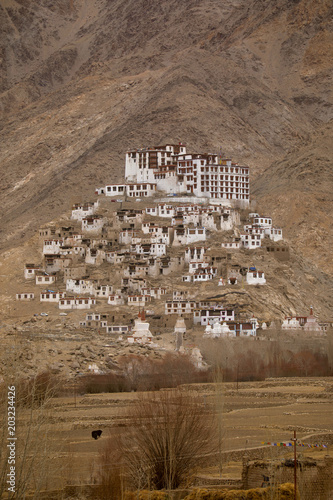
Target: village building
[
  {"x": 112, "y": 190},
  {"x": 138, "y": 300},
  {"x": 116, "y": 257},
  {"x": 51, "y": 296},
  {"x": 251, "y": 241},
  {"x": 81, "y": 286},
  {"x": 205, "y": 316},
  {"x": 132, "y": 190},
  {"x": 204, "y": 274},
  {"x": 47, "y": 232},
  {"x": 94, "y": 256},
  {"x": 116, "y": 299},
  {"x": 136, "y": 270},
  {"x": 83, "y": 210},
  {"x": 95, "y": 320},
  {"x": 274, "y": 233},
  {"x": 155, "y": 293},
  {"x": 25, "y": 296},
  {"x": 146, "y": 249},
  {"x": 75, "y": 272},
  {"x": 254, "y": 277},
  {"x": 187, "y": 235},
  {"x": 30, "y": 270},
  {"x": 43, "y": 278},
  {"x": 118, "y": 329},
  {"x": 55, "y": 263},
  {"x": 135, "y": 284},
  {"x": 133, "y": 218},
  {"x": 92, "y": 224},
  {"x": 178, "y": 295},
  {"x": 79, "y": 250},
  {"x": 76, "y": 302},
  {"x": 126, "y": 236},
  {"x": 231, "y": 245},
  {"x": 52, "y": 247},
  {"x": 102, "y": 291},
  {"x": 179, "y": 307},
  {"x": 193, "y": 254}
]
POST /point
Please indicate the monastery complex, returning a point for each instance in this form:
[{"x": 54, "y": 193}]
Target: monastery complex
[
  {"x": 171, "y": 169},
  {"x": 158, "y": 257}
]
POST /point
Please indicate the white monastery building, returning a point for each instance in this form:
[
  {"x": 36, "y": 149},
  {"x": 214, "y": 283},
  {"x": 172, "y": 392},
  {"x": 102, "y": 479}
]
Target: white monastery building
[{"x": 171, "y": 169}]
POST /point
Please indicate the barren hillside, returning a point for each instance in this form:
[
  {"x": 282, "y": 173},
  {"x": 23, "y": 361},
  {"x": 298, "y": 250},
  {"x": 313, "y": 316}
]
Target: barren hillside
[{"x": 84, "y": 80}]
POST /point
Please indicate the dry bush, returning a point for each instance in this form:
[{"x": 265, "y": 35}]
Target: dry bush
[
  {"x": 170, "y": 432},
  {"x": 110, "y": 476},
  {"x": 137, "y": 373},
  {"x": 97, "y": 383},
  {"x": 282, "y": 492},
  {"x": 38, "y": 390},
  {"x": 146, "y": 495},
  {"x": 32, "y": 432}
]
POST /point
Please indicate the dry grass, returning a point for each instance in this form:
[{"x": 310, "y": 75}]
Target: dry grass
[{"x": 282, "y": 492}]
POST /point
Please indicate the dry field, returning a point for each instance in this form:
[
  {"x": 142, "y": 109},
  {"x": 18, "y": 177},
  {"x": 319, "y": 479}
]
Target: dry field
[{"x": 252, "y": 413}]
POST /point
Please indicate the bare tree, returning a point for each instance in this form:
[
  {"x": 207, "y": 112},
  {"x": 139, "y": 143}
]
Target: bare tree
[{"x": 170, "y": 434}]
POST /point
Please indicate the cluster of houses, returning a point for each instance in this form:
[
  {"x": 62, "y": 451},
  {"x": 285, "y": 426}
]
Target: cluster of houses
[{"x": 135, "y": 245}]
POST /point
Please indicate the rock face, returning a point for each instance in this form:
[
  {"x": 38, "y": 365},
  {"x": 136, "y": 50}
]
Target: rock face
[{"x": 83, "y": 81}]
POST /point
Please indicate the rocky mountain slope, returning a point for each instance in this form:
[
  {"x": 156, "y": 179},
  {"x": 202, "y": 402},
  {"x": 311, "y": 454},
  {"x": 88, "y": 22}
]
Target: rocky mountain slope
[{"x": 84, "y": 80}]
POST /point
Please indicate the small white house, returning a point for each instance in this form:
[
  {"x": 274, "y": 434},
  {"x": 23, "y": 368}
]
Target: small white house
[
  {"x": 209, "y": 316},
  {"x": 45, "y": 279},
  {"x": 179, "y": 307},
  {"x": 194, "y": 254},
  {"x": 140, "y": 190},
  {"x": 116, "y": 300},
  {"x": 155, "y": 293},
  {"x": 82, "y": 210},
  {"x": 94, "y": 256},
  {"x": 274, "y": 233},
  {"x": 25, "y": 296},
  {"x": 102, "y": 291},
  {"x": 92, "y": 224},
  {"x": 195, "y": 265},
  {"x": 255, "y": 278},
  {"x": 52, "y": 247},
  {"x": 76, "y": 302},
  {"x": 206, "y": 274},
  {"x": 251, "y": 241},
  {"x": 112, "y": 190},
  {"x": 50, "y": 296},
  {"x": 262, "y": 221},
  {"x": 231, "y": 245},
  {"x": 186, "y": 236},
  {"x": 138, "y": 300},
  {"x": 30, "y": 270},
  {"x": 80, "y": 286}
]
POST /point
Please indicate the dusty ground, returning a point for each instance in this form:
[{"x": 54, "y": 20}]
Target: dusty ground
[{"x": 262, "y": 411}]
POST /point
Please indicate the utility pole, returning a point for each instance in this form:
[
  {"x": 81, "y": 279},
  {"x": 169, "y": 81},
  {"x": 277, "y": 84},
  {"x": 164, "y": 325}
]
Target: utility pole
[{"x": 295, "y": 466}]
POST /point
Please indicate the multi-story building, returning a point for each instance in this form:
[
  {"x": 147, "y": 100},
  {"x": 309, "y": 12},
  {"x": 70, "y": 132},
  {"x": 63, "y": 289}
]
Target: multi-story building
[{"x": 171, "y": 169}]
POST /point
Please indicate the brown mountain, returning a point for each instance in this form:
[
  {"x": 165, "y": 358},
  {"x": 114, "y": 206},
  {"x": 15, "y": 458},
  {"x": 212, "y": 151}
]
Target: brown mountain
[{"x": 84, "y": 80}]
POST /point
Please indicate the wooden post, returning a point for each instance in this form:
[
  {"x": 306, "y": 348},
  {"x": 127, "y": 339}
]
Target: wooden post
[{"x": 295, "y": 466}]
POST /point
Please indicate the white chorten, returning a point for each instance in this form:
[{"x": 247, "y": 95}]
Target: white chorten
[{"x": 140, "y": 332}]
